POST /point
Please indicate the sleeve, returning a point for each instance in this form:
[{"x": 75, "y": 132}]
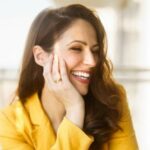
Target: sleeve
[
  {"x": 10, "y": 139},
  {"x": 71, "y": 137},
  {"x": 124, "y": 139}
]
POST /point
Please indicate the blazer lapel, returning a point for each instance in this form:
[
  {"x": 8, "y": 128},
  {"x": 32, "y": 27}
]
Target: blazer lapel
[{"x": 42, "y": 132}]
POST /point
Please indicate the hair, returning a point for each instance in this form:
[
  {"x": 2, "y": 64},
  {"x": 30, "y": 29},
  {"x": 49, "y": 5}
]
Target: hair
[{"x": 102, "y": 102}]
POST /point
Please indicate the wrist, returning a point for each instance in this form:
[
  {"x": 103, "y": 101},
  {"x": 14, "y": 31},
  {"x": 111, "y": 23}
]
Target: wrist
[
  {"x": 75, "y": 107},
  {"x": 76, "y": 115}
]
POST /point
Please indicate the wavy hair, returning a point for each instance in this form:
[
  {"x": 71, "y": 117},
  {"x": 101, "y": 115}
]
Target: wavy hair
[{"x": 102, "y": 102}]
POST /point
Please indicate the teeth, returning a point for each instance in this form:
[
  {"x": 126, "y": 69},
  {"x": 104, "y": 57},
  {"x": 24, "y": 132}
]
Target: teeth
[{"x": 81, "y": 74}]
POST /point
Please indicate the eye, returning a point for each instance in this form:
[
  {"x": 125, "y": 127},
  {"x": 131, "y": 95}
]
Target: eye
[
  {"x": 95, "y": 51},
  {"x": 76, "y": 48}
]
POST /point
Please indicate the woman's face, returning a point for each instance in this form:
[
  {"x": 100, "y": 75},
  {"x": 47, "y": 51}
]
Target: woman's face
[{"x": 79, "y": 48}]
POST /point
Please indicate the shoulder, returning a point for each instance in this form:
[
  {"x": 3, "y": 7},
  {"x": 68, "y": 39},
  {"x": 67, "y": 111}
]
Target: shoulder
[
  {"x": 9, "y": 115},
  {"x": 10, "y": 110},
  {"x": 10, "y": 125},
  {"x": 125, "y": 137},
  {"x": 125, "y": 122},
  {"x": 23, "y": 116},
  {"x": 124, "y": 106},
  {"x": 15, "y": 126},
  {"x": 14, "y": 117}
]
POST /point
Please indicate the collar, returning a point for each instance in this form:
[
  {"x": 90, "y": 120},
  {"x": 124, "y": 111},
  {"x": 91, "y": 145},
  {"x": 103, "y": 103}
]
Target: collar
[
  {"x": 35, "y": 110},
  {"x": 41, "y": 125}
]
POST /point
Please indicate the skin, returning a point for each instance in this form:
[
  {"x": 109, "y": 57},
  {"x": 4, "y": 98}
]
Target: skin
[{"x": 75, "y": 50}]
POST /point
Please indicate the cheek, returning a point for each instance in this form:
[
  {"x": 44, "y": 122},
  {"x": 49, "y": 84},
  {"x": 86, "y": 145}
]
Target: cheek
[{"x": 71, "y": 60}]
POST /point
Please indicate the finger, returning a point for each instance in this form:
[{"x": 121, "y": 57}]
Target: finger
[
  {"x": 63, "y": 70},
  {"x": 55, "y": 68},
  {"x": 47, "y": 70}
]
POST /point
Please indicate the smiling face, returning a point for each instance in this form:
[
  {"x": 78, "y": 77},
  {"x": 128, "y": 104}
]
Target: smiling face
[{"x": 79, "y": 48}]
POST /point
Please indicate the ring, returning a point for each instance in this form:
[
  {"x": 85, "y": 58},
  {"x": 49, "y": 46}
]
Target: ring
[{"x": 58, "y": 80}]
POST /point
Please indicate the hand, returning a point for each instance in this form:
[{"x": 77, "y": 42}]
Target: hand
[
  {"x": 64, "y": 91},
  {"x": 57, "y": 81}
]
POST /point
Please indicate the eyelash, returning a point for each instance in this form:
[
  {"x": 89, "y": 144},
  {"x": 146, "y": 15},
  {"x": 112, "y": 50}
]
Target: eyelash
[
  {"x": 76, "y": 48},
  {"x": 95, "y": 51},
  {"x": 80, "y": 49}
]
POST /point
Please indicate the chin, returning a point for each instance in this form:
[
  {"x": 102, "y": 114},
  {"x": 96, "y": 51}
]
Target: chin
[
  {"x": 82, "y": 89},
  {"x": 83, "y": 92}
]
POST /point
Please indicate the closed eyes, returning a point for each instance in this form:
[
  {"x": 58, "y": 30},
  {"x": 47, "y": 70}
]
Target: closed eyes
[
  {"x": 95, "y": 50},
  {"x": 79, "y": 49},
  {"x": 76, "y": 48}
]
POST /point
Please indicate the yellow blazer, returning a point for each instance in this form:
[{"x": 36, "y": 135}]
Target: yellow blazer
[{"x": 28, "y": 128}]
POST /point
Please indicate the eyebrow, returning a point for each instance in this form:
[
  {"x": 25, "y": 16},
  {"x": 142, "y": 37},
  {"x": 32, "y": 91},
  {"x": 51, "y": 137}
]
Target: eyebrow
[{"x": 82, "y": 42}]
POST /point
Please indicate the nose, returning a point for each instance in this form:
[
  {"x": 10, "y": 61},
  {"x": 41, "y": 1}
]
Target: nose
[{"x": 89, "y": 59}]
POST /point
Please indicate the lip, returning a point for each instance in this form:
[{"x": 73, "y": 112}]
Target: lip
[{"x": 85, "y": 81}]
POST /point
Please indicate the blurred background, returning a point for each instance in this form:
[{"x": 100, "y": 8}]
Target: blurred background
[{"x": 127, "y": 23}]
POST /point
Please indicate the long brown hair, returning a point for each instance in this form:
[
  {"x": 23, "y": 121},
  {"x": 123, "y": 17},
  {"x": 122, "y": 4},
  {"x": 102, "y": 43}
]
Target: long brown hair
[{"x": 102, "y": 102}]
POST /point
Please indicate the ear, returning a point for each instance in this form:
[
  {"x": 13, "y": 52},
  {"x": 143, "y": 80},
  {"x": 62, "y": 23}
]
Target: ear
[{"x": 40, "y": 56}]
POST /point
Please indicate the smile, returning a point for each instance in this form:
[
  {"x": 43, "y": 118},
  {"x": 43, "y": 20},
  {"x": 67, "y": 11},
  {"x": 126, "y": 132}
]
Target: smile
[{"x": 82, "y": 76}]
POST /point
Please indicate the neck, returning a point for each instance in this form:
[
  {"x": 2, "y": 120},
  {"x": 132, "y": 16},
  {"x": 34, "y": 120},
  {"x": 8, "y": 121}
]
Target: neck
[{"x": 54, "y": 109}]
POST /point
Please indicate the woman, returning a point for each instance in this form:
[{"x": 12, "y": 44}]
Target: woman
[{"x": 66, "y": 97}]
